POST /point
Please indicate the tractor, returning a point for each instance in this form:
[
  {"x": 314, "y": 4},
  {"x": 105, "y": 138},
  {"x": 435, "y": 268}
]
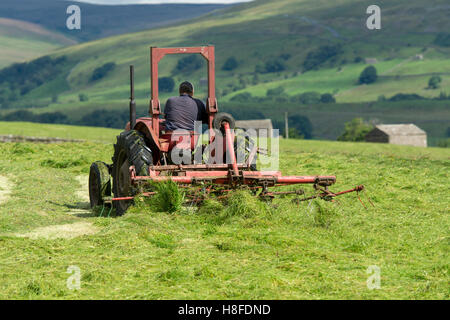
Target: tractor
[{"x": 144, "y": 152}]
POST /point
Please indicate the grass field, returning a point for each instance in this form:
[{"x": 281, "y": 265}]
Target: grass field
[
  {"x": 59, "y": 131},
  {"x": 246, "y": 249},
  {"x": 395, "y": 76}
]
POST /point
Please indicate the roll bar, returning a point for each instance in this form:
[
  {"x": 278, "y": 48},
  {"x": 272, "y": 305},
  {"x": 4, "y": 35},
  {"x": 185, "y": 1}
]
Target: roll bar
[{"x": 156, "y": 54}]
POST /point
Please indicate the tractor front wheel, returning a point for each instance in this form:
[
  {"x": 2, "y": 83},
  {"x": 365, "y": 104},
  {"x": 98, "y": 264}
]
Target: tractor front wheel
[
  {"x": 99, "y": 183},
  {"x": 130, "y": 149}
]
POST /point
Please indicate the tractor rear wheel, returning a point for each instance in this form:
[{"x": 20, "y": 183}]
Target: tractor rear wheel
[
  {"x": 99, "y": 183},
  {"x": 221, "y": 117},
  {"x": 129, "y": 150}
]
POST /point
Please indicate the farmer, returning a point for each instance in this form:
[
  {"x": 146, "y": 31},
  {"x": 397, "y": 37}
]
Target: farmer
[{"x": 181, "y": 112}]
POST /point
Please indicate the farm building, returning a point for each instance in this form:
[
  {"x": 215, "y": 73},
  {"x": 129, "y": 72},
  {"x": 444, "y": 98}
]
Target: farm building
[
  {"x": 404, "y": 134},
  {"x": 370, "y": 60},
  {"x": 262, "y": 127}
]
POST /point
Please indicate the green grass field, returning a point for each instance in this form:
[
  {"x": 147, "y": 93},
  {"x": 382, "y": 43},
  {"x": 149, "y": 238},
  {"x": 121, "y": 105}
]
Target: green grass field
[
  {"x": 244, "y": 250},
  {"x": 396, "y": 76}
]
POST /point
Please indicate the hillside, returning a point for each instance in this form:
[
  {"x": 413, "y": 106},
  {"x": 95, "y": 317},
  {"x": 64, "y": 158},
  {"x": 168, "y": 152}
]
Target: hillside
[
  {"x": 21, "y": 41},
  {"x": 29, "y": 29},
  {"x": 99, "y": 21},
  {"x": 315, "y": 250},
  {"x": 298, "y": 46}
]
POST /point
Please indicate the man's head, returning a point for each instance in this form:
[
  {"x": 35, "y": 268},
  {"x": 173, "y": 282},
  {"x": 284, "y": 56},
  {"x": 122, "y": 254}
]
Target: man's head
[{"x": 187, "y": 87}]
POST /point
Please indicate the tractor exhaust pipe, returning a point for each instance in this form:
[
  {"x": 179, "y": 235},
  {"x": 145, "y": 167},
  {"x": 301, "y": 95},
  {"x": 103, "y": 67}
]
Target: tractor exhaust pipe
[{"x": 132, "y": 100}]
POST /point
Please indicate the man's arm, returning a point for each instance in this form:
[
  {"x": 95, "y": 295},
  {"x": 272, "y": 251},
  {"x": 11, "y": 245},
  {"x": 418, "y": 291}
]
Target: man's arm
[
  {"x": 167, "y": 108},
  {"x": 202, "y": 114}
]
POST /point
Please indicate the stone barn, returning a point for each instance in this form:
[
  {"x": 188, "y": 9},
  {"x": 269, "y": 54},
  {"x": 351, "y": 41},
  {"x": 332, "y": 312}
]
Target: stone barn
[
  {"x": 370, "y": 60},
  {"x": 258, "y": 125},
  {"x": 403, "y": 134}
]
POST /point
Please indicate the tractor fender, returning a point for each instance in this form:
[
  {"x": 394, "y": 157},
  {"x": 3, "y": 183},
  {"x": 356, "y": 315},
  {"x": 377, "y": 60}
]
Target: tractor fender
[{"x": 144, "y": 125}]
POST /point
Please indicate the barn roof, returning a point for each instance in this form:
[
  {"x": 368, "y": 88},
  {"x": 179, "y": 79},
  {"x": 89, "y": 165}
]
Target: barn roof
[
  {"x": 400, "y": 129},
  {"x": 254, "y": 124}
]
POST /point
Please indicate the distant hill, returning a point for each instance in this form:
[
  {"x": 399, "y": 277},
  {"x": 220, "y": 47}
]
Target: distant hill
[
  {"x": 100, "y": 21},
  {"x": 290, "y": 47},
  {"x": 21, "y": 41}
]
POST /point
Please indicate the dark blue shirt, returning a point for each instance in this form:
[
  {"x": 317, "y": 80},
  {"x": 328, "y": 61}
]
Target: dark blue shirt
[{"x": 181, "y": 112}]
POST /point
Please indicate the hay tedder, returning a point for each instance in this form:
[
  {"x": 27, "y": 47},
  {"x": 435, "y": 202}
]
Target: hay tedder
[{"x": 142, "y": 155}]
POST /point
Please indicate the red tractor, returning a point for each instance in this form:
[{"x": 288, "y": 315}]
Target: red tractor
[{"x": 142, "y": 153}]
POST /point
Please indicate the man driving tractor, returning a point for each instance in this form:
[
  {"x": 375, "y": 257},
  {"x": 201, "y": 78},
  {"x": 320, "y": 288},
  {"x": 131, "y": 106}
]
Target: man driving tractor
[{"x": 182, "y": 111}]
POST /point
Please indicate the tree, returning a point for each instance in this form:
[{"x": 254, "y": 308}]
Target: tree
[
  {"x": 102, "y": 71},
  {"x": 321, "y": 55},
  {"x": 327, "y": 98},
  {"x": 242, "y": 97},
  {"x": 20, "y": 115},
  {"x": 275, "y": 92},
  {"x": 442, "y": 39},
  {"x": 51, "y": 117},
  {"x": 355, "y": 130},
  {"x": 368, "y": 76},
  {"x": 302, "y": 125},
  {"x": 22, "y": 78},
  {"x": 434, "y": 82},
  {"x": 285, "y": 56},
  {"x": 255, "y": 79},
  {"x": 276, "y": 65},
  {"x": 48, "y": 117},
  {"x": 166, "y": 84},
  {"x": 104, "y": 118},
  {"x": 443, "y": 96},
  {"x": 83, "y": 97},
  {"x": 406, "y": 96},
  {"x": 310, "y": 97},
  {"x": 187, "y": 64},
  {"x": 381, "y": 98},
  {"x": 444, "y": 143},
  {"x": 294, "y": 134},
  {"x": 230, "y": 64}
]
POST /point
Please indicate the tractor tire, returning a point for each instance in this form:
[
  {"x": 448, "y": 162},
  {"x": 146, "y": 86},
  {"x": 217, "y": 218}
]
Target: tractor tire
[
  {"x": 221, "y": 117},
  {"x": 130, "y": 149},
  {"x": 99, "y": 183}
]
